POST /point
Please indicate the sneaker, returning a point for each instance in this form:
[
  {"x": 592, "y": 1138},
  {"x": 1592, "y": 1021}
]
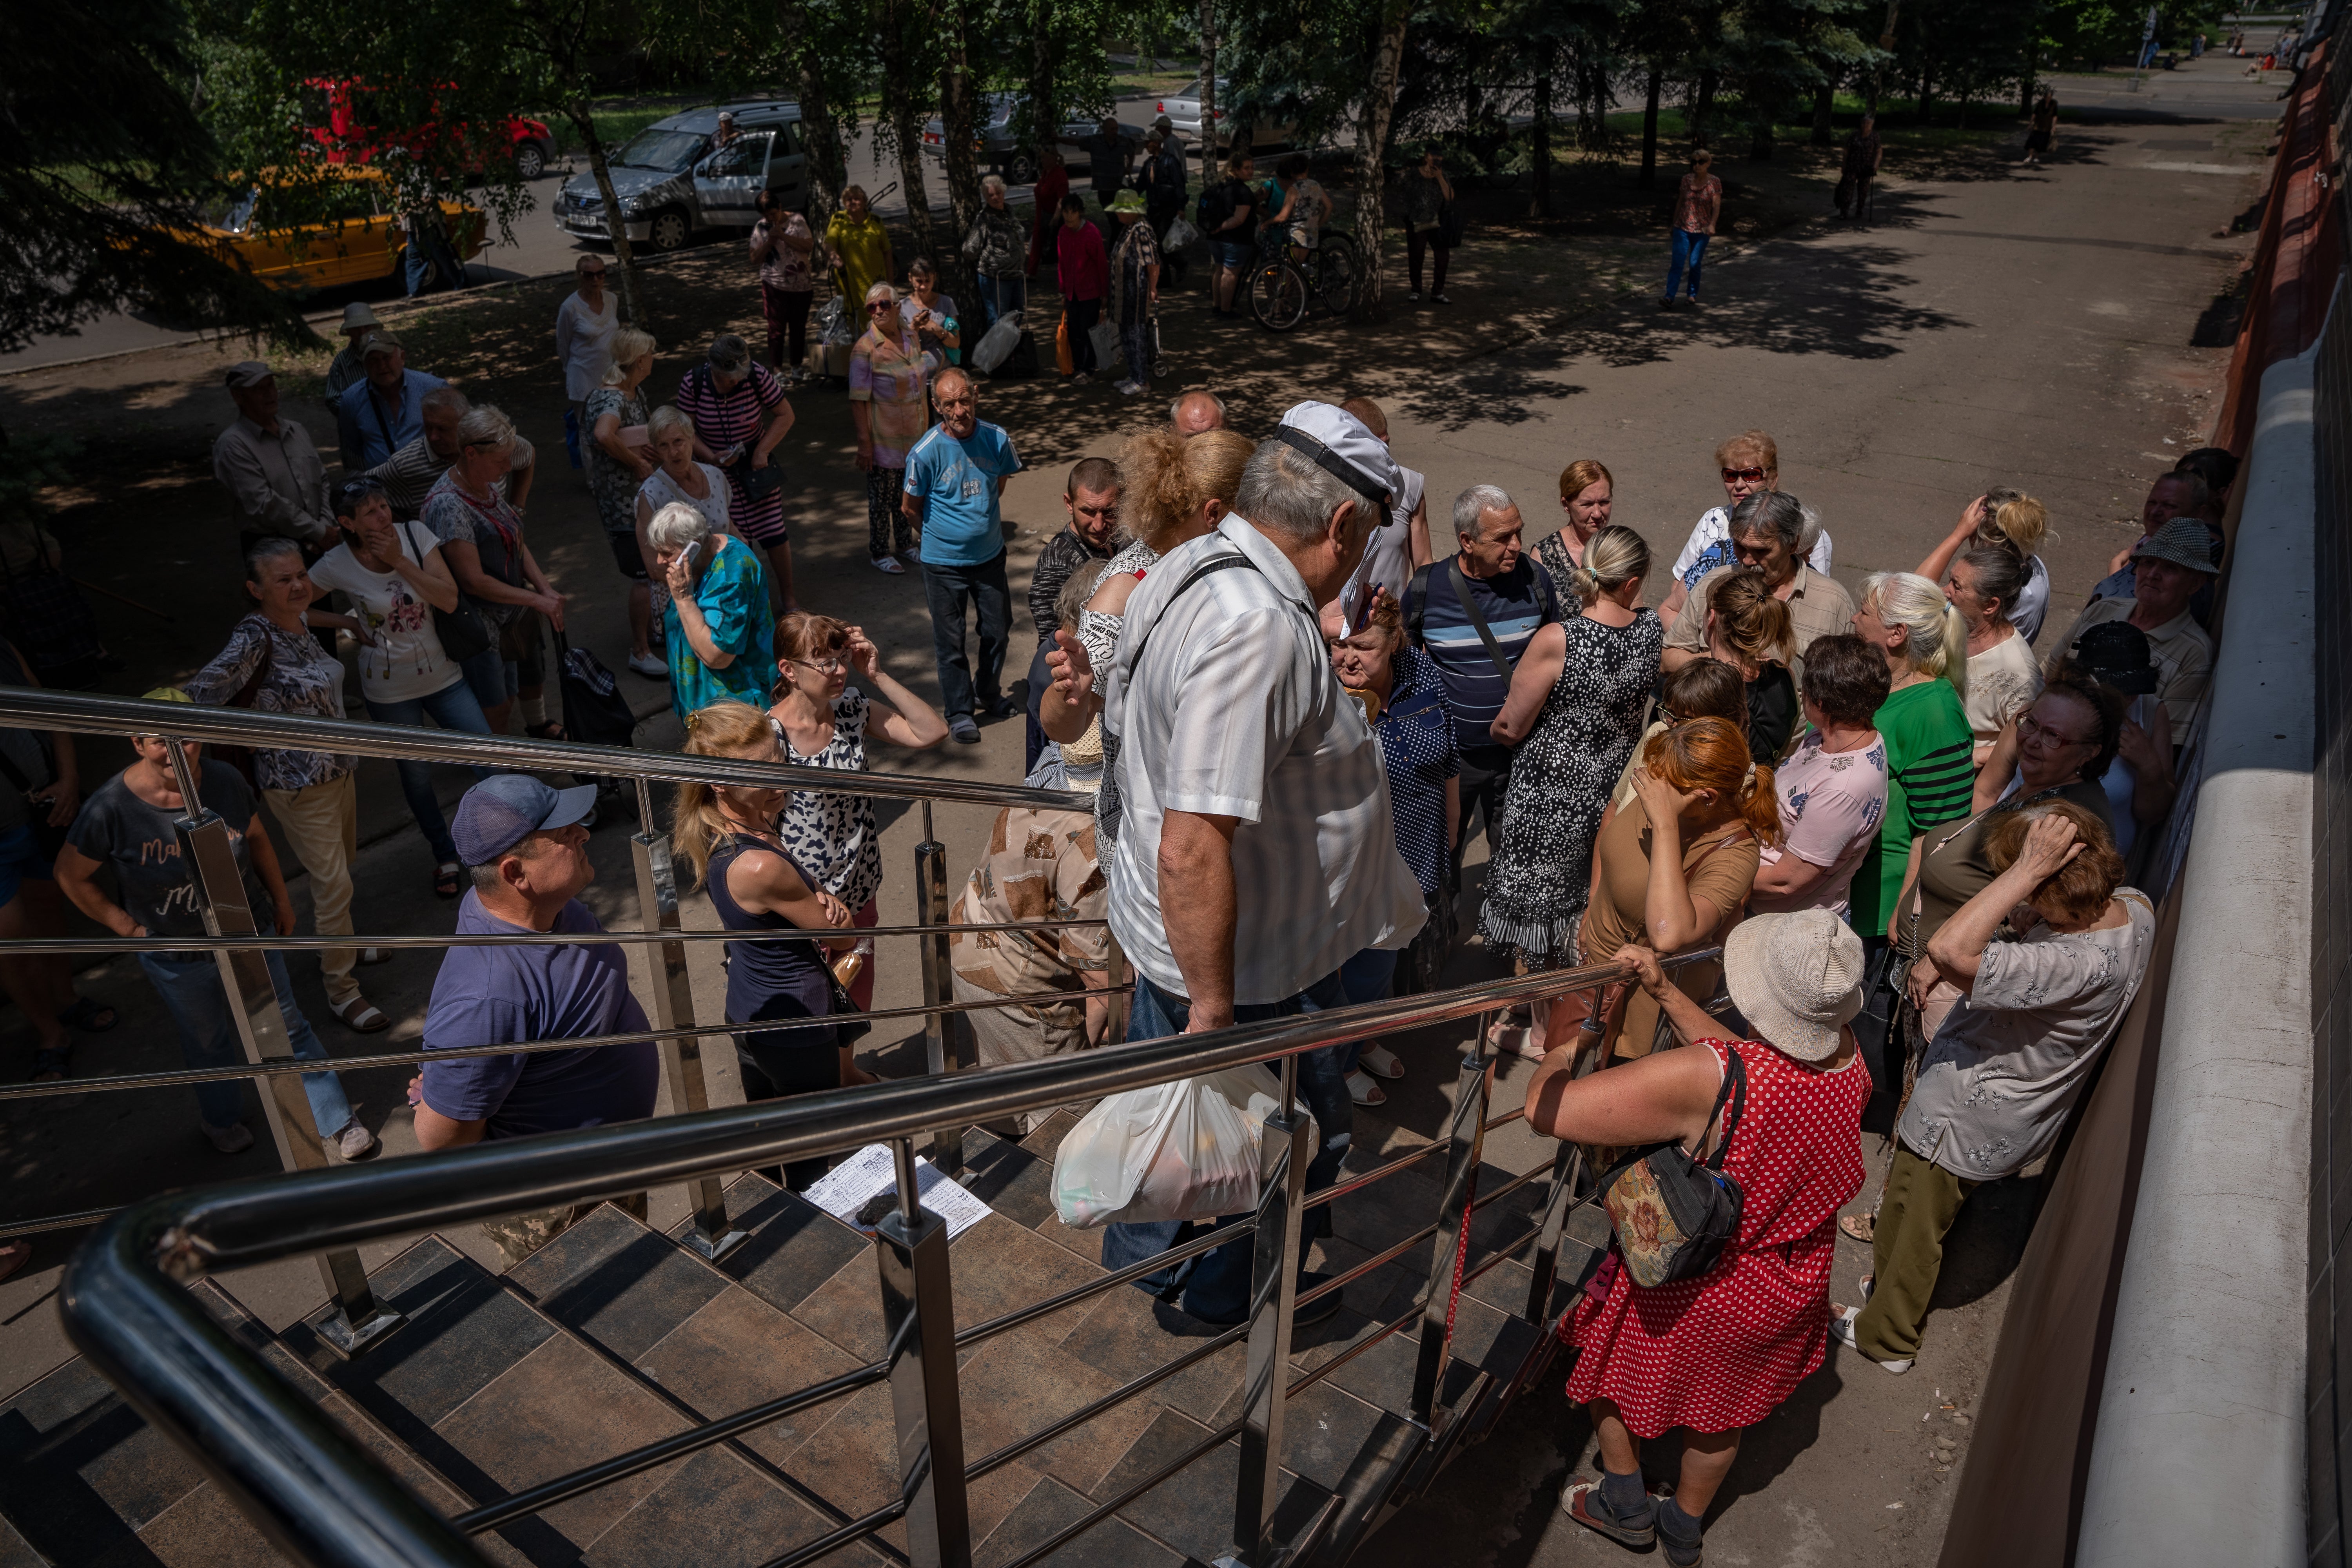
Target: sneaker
[
  {"x": 888, "y": 564},
  {"x": 1131, "y": 388},
  {"x": 966, "y": 733},
  {"x": 355, "y": 1142},
  {"x": 1842, "y": 1321},
  {"x": 234, "y": 1138},
  {"x": 652, "y": 665},
  {"x": 1439, "y": 299},
  {"x": 1414, "y": 295}
]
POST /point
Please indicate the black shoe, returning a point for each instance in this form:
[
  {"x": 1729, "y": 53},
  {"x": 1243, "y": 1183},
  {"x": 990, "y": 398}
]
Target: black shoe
[
  {"x": 1001, "y": 708},
  {"x": 1320, "y": 1310}
]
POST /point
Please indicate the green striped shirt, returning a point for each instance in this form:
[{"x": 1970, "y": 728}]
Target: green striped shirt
[{"x": 1930, "y": 770}]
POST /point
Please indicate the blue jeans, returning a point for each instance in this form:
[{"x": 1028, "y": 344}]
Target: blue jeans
[
  {"x": 486, "y": 677},
  {"x": 949, "y": 589},
  {"x": 1365, "y": 978},
  {"x": 198, "y": 1003},
  {"x": 454, "y": 706},
  {"x": 1690, "y": 249},
  {"x": 1215, "y": 1287},
  {"x": 999, "y": 295}
]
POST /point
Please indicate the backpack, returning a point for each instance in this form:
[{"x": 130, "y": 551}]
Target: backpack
[{"x": 594, "y": 712}]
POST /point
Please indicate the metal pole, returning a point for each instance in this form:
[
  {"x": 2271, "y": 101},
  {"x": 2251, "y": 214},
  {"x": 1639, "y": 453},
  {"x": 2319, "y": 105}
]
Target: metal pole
[
  {"x": 925, "y": 1397},
  {"x": 1567, "y": 1177},
  {"x": 946, "y": 1149},
  {"x": 1468, "y": 1147},
  {"x": 682, "y": 1054},
  {"x": 1286, "y": 1148},
  {"x": 208, "y": 848}
]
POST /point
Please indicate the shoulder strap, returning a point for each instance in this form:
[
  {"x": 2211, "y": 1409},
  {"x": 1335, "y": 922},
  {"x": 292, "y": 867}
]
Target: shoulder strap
[
  {"x": 1220, "y": 563},
  {"x": 1735, "y": 1084},
  {"x": 1470, "y": 608},
  {"x": 244, "y": 698},
  {"x": 1416, "y": 595}
]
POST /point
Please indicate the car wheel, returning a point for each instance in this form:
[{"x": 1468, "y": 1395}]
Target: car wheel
[
  {"x": 669, "y": 229},
  {"x": 530, "y": 161},
  {"x": 1022, "y": 169}
]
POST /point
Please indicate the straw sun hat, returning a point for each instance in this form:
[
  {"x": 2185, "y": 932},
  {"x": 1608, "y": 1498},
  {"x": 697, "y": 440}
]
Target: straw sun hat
[{"x": 1797, "y": 979}]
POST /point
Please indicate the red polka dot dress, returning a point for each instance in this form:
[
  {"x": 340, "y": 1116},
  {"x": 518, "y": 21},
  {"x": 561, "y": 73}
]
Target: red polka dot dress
[{"x": 1722, "y": 1350}]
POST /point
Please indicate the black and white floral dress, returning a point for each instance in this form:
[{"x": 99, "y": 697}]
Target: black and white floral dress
[
  {"x": 1542, "y": 875},
  {"x": 834, "y": 836}
]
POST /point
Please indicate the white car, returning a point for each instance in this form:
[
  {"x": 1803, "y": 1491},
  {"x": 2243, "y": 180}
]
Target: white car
[{"x": 1182, "y": 109}]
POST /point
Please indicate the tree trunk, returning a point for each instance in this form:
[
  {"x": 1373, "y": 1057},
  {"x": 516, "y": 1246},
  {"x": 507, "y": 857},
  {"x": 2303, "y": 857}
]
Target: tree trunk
[
  {"x": 1927, "y": 95},
  {"x": 1372, "y": 154},
  {"x": 958, "y": 103},
  {"x": 1824, "y": 104},
  {"x": 1759, "y": 141},
  {"x": 1207, "y": 93},
  {"x": 902, "y": 89},
  {"x": 1539, "y": 142},
  {"x": 2025, "y": 83},
  {"x": 583, "y": 121},
  {"x": 1650, "y": 127},
  {"x": 1702, "y": 119},
  {"x": 828, "y": 165},
  {"x": 1044, "y": 87}
]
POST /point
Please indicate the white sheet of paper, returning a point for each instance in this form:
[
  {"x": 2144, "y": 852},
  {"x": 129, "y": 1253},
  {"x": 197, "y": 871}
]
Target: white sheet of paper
[{"x": 846, "y": 1189}]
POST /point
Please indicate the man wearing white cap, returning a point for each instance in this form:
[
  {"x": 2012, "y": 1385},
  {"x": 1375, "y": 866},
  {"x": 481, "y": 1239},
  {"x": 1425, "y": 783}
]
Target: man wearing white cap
[
  {"x": 1248, "y": 785},
  {"x": 359, "y": 325},
  {"x": 270, "y": 467}
]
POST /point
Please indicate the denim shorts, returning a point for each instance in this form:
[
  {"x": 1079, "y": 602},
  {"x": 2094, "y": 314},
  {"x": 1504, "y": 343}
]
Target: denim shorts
[
  {"x": 1236, "y": 253},
  {"x": 22, "y": 860}
]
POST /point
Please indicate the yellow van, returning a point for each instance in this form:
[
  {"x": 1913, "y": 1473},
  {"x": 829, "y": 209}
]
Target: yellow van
[{"x": 327, "y": 226}]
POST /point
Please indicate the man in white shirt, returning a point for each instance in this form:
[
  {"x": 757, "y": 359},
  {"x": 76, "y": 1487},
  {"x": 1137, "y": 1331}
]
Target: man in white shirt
[{"x": 1250, "y": 788}]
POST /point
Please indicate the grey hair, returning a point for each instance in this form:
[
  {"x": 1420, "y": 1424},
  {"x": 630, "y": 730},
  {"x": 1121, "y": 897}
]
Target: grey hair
[
  {"x": 447, "y": 397},
  {"x": 991, "y": 183},
  {"x": 485, "y": 426},
  {"x": 675, "y": 526},
  {"x": 1773, "y": 512},
  {"x": 265, "y": 550},
  {"x": 665, "y": 418},
  {"x": 1809, "y": 531},
  {"x": 1936, "y": 640},
  {"x": 1287, "y": 491},
  {"x": 1475, "y": 500}
]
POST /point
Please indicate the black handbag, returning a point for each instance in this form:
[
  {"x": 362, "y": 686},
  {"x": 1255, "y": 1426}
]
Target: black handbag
[
  {"x": 756, "y": 483},
  {"x": 594, "y": 712},
  {"x": 1451, "y": 224},
  {"x": 1674, "y": 1214},
  {"x": 460, "y": 630}
]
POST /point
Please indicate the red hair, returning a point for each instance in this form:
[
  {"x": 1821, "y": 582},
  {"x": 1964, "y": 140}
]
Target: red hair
[{"x": 1712, "y": 753}]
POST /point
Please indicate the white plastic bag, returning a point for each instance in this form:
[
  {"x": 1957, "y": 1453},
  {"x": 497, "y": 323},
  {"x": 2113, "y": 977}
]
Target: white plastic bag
[
  {"x": 1179, "y": 1151},
  {"x": 833, "y": 324},
  {"x": 1180, "y": 233},
  {"x": 996, "y": 343},
  {"x": 1105, "y": 339}
]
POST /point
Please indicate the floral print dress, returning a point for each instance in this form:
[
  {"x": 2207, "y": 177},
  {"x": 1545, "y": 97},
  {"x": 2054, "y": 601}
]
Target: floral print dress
[{"x": 835, "y": 837}]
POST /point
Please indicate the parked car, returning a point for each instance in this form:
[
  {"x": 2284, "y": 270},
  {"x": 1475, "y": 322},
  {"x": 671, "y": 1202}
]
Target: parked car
[
  {"x": 672, "y": 183},
  {"x": 326, "y": 227},
  {"x": 1003, "y": 141},
  {"x": 1182, "y": 109},
  {"x": 341, "y": 119}
]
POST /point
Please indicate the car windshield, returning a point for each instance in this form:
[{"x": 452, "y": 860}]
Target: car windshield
[
  {"x": 1191, "y": 90},
  {"x": 667, "y": 151},
  {"x": 232, "y": 215}
]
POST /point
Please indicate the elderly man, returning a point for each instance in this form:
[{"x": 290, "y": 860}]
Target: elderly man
[
  {"x": 1193, "y": 412},
  {"x": 528, "y": 852},
  {"x": 2176, "y": 494},
  {"x": 409, "y": 475},
  {"x": 1474, "y": 616},
  {"x": 1162, "y": 180},
  {"x": 2169, "y": 567},
  {"x": 359, "y": 325},
  {"x": 955, "y": 478},
  {"x": 1767, "y": 530},
  {"x": 1255, "y": 855},
  {"x": 378, "y": 415},
  {"x": 277, "y": 485}
]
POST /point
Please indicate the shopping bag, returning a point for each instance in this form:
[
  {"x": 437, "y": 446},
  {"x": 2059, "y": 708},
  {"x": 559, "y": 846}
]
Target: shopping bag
[
  {"x": 1180, "y": 233},
  {"x": 594, "y": 712},
  {"x": 1188, "y": 1150},
  {"x": 833, "y": 324},
  {"x": 996, "y": 343},
  {"x": 1065, "y": 358},
  {"x": 1105, "y": 339}
]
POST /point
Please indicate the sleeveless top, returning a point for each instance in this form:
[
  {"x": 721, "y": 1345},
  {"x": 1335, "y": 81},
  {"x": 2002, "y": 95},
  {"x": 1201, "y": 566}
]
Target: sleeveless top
[{"x": 770, "y": 980}]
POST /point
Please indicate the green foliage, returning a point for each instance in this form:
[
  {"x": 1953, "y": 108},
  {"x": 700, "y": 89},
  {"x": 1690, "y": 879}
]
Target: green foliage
[{"x": 30, "y": 465}]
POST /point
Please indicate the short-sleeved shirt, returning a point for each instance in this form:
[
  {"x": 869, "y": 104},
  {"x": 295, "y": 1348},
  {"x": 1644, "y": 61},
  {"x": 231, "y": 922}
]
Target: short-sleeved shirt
[
  {"x": 117, "y": 828},
  {"x": 490, "y": 995},
  {"x": 410, "y": 474},
  {"x": 2003, "y": 681},
  {"x": 660, "y": 490},
  {"x": 1064, "y": 554},
  {"x": 733, "y": 596},
  {"x": 492, "y": 527},
  {"x": 1709, "y": 546},
  {"x": 300, "y": 677},
  {"x": 1697, "y": 200},
  {"x": 613, "y": 483},
  {"x": 583, "y": 340},
  {"x": 1718, "y": 866},
  {"x": 957, "y": 481},
  {"x": 371, "y": 428},
  {"x": 1930, "y": 772},
  {"x": 785, "y": 268},
  {"x": 2008, "y": 1062},
  {"x": 1416, "y": 736},
  {"x": 1235, "y": 711},
  {"x": 1516, "y": 604},
  {"x": 861, "y": 251},
  {"x": 2182, "y": 649},
  {"x": 889, "y": 373},
  {"x": 943, "y": 312},
  {"x": 1831, "y": 805},
  {"x": 1040, "y": 866},
  {"x": 407, "y": 661},
  {"x": 1819, "y": 607}
]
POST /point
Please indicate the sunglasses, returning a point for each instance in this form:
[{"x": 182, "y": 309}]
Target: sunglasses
[
  {"x": 1752, "y": 476},
  {"x": 350, "y": 492},
  {"x": 833, "y": 666},
  {"x": 871, "y": 309}
]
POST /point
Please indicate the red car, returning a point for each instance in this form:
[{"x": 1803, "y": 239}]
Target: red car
[{"x": 341, "y": 120}]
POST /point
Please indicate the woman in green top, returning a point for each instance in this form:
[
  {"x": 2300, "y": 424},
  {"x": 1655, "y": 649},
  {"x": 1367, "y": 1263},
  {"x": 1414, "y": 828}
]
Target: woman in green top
[{"x": 861, "y": 250}]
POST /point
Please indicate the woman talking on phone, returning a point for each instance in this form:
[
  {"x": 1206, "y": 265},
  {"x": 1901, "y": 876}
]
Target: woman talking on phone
[{"x": 722, "y": 635}]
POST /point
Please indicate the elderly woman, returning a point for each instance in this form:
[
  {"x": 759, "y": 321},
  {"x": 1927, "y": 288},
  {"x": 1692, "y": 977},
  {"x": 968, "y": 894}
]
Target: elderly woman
[
  {"x": 679, "y": 480},
  {"x": 889, "y": 405},
  {"x": 997, "y": 249},
  {"x": 1929, "y": 764},
  {"x": 739, "y": 413},
  {"x": 585, "y": 326},
  {"x": 1717, "y": 1354},
  {"x": 722, "y": 636},
  {"x": 481, "y": 539},
  {"x": 2140, "y": 792},
  {"x": 273, "y": 665},
  {"x": 728, "y": 835},
  {"x": 930, "y": 315},
  {"x": 859, "y": 245},
  {"x": 2010, "y": 520},
  {"x": 2002, "y": 675},
  {"x": 784, "y": 251},
  {"x": 2001, "y": 1076},
  {"x": 617, "y": 467},
  {"x": 1748, "y": 463},
  {"x": 1177, "y": 489},
  {"x": 1586, "y": 492}
]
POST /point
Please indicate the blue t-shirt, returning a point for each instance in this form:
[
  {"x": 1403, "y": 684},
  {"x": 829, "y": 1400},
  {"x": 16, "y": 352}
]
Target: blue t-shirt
[
  {"x": 733, "y": 598},
  {"x": 957, "y": 483},
  {"x": 1516, "y": 604},
  {"x": 370, "y": 429},
  {"x": 487, "y": 994}
]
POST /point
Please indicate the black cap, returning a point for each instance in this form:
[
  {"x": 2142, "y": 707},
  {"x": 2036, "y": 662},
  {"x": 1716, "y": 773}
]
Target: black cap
[{"x": 2117, "y": 653}]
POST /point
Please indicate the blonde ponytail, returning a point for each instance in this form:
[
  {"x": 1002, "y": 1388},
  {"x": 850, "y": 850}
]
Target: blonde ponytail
[
  {"x": 1936, "y": 640},
  {"x": 724, "y": 729},
  {"x": 1613, "y": 558}
]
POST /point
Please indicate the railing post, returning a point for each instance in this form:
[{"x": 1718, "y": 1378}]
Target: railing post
[
  {"x": 925, "y": 1397},
  {"x": 682, "y": 1054},
  {"x": 946, "y": 1150},
  {"x": 208, "y": 848},
  {"x": 1567, "y": 1175},
  {"x": 1468, "y": 1146},
  {"x": 1284, "y": 1149}
]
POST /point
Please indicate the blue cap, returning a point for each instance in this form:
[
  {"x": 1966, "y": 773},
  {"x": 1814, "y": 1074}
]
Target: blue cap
[{"x": 501, "y": 812}]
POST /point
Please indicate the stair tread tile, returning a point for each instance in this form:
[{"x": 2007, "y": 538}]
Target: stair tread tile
[
  {"x": 102, "y": 1474},
  {"x": 794, "y": 1247},
  {"x": 1084, "y": 1244},
  {"x": 1050, "y": 1133},
  {"x": 853, "y": 1463},
  {"x": 738, "y": 1351},
  {"x": 16, "y": 1552},
  {"x": 1193, "y": 1511},
  {"x": 1505, "y": 1286},
  {"x": 714, "y": 1511},
  {"x": 1123, "y": 1338},
  {"x": 1507, "y": 1220},
  {"x": 1050, "y": 1508},
  {"x": 1379, "y": 1216},
  {"x": 613, "y": 1280},
  {"x": 1383, "y": 1375},
  {"x": 1324, "y": 1429},
  {"x": 205, "y": 1530},
  {"x": 560, "y": 1407},
  {"x": 999, "y": 1266},
  {"x": 1013, "y": 1386},
  {"x": 847, "y": 1309},
  {"x": 1487, "y": 1337},
  {"x": 1008, "y": 1178}
]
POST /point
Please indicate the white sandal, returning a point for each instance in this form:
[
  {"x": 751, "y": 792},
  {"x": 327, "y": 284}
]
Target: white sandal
[
  {"x": 1378, "y": 1061},
  {"x": 1363, "y": 1090},
  {"x": 361, "y": 1016}
]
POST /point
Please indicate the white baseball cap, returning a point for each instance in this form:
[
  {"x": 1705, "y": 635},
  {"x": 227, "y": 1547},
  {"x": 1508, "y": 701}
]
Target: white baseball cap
[{"x": 1340, "y": 444}]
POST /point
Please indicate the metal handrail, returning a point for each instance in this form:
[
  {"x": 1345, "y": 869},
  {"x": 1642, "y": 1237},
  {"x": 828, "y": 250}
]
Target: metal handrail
[
  {"x": 314, "y": 1492},
  {"x": 130, "y": 946},
  {"x": 47, "y": 709}
]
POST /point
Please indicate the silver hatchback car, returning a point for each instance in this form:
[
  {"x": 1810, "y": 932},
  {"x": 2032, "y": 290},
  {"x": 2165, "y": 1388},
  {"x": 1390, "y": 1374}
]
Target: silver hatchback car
[{"x": 674, "y": 183}]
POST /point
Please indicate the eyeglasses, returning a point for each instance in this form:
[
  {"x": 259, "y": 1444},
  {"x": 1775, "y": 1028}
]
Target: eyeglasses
[
  {"x": 1753, "y": 476},
  {"x": 592, "y": 272},
  {"x": 2030, "y": 732},
  {"x": 833, "y": 665},
  {"x": 878, "y": 305}
]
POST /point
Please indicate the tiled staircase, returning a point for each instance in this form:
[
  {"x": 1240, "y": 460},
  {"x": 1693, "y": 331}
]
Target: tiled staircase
[{"x": 616, "y": 1335}]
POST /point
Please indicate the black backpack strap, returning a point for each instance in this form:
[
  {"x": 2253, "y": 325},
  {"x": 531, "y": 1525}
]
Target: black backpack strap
[
  {"x": 1416, "y": 599},
  {"x": 1470, "y": 608},
  {"x": 1735, "y": 1085}
]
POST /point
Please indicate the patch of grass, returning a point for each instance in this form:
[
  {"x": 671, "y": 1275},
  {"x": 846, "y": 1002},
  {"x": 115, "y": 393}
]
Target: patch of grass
[{"x": 613, "y": 127}]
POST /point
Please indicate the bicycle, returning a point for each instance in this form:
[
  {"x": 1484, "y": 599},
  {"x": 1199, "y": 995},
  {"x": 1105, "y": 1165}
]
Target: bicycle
[{"x": 1282, "y": 285}]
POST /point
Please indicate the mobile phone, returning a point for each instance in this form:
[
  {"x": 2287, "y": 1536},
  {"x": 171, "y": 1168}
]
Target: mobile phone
[{"x": 689, "y": 554}]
